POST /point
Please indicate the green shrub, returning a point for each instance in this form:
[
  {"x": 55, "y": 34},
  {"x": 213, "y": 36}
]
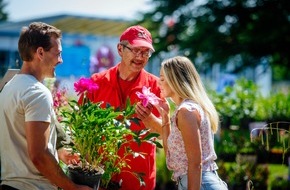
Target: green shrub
[
  {"x": 237, "y": 102},
  {"x": 239, "y": 175},
  {"x": 280, "y": 184},
  {"x": 243, "y": 102}
]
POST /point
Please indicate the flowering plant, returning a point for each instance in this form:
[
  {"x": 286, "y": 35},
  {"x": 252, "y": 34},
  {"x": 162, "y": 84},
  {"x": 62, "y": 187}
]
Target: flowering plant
[
  {"x": 59, "y": 101},
  {"x": 98, "y": 133}
]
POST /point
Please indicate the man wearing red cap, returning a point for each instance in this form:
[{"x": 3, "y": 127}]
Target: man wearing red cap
[{"x": 123, "y": 81}]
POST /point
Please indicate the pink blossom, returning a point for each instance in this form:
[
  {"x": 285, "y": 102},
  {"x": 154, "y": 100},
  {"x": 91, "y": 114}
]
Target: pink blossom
[
  {"x": 85, "y": 85},
  {"x": 59, "y": 98},
  {"x": 147, "y": 97}
]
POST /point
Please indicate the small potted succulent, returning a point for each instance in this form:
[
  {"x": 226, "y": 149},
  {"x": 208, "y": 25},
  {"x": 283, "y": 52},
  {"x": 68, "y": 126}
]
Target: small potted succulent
[{"x": 97, "y": 134}]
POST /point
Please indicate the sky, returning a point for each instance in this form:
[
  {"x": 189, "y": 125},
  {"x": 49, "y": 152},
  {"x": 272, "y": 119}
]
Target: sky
[{"x": 117, "y": 9}]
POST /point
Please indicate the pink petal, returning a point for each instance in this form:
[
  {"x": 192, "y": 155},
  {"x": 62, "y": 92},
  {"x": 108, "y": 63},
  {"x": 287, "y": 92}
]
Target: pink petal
[{"x": 147, "y": 96}]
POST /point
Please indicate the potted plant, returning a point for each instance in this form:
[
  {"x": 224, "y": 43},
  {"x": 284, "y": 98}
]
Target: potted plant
[{"x": 98, "y": 133}]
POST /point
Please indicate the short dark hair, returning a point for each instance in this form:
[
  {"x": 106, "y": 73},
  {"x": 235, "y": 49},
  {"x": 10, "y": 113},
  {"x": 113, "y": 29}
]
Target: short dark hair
[{"x": 37, "y": 34}]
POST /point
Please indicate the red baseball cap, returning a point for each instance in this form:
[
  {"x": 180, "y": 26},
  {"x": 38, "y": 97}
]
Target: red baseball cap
[{"x": 138, "y": 36}]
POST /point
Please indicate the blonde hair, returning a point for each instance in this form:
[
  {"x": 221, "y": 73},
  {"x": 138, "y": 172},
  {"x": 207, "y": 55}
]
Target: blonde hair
[{"x": 182, "y": 77}]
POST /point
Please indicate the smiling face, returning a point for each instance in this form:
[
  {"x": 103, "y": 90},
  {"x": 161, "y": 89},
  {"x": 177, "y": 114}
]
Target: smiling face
[
  {"x": 134, "y": 59},
  {"x": 51, "y": 58}
]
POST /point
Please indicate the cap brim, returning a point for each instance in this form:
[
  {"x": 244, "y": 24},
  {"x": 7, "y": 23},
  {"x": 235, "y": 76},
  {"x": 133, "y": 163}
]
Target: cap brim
[{"x": 142, "y": 43}]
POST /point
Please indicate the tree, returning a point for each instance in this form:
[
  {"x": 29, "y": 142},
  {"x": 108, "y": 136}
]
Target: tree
[
  {"x": 241, "y": 32},
  {"x": 3, "y": 14}
]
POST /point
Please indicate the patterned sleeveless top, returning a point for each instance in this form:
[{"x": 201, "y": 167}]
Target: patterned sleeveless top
[{"x": 176, "y": 158}]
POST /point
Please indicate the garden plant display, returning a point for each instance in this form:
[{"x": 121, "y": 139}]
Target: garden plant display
[{"x": 98, "y": 133}]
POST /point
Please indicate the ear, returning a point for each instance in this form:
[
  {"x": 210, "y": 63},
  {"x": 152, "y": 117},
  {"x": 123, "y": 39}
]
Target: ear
[
  {"x": 40, "y": 52},
  {"x": 120, "y": 49}
]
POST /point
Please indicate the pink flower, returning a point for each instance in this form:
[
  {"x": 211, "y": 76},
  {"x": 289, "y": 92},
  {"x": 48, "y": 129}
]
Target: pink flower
[
  {"x": 85, "y": 85},
  {"x": 147, "y": 97},
  {"x": 59, "y": 100}
]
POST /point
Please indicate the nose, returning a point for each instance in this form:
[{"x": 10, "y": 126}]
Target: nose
[
  {"x": 139, "y": 54},
  {"x": 60, "y": 60}
]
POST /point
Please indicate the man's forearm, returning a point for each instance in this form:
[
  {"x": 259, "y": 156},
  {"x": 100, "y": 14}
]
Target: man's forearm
[{"x": 49, "y": 167}]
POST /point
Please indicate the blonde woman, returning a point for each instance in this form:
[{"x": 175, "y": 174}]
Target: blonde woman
[{"x": 188, "y": 138}]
